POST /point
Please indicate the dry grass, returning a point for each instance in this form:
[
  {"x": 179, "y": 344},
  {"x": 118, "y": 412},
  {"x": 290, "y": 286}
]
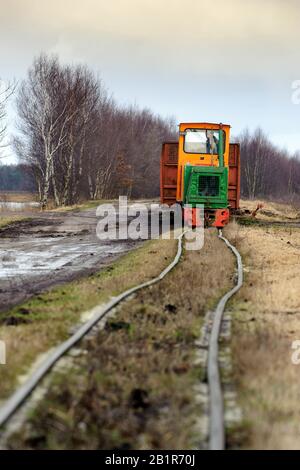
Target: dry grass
[
  {"x": 91, "y": 204},
  {"x": 266, "y": 322},
  {"x": 10, "y": 219},
  {"x": 272, "y": 211},
  {"x": 11, "y": 196},
  {"x": 134, "y": 388},
  {"x": 80, "y": 206}
]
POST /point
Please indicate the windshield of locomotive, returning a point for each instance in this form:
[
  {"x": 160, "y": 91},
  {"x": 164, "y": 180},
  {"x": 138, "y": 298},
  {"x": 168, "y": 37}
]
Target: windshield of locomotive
[{"x": 202, "y": 141}]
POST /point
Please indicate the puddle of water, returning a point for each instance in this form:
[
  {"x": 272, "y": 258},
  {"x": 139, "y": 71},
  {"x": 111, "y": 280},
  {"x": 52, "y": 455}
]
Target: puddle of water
[
  {"x": 18, "y": 206},
  {"x": 47, "y": 255}
]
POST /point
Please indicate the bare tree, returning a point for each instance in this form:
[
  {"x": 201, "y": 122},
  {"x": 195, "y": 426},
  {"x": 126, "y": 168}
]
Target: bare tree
[
  {"x": 267, "y": 171},
  {"x": 43, "y": 119},
  {"x": 79, "y": 142},
  {"x": 49, "y": 104},
  {"x": 256, "y": 151}
]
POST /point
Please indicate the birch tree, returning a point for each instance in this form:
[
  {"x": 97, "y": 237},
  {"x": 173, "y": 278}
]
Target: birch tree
[
  {"x": 79, "y": 142},
  {"x": 49, "y": 104},
  {"x": 43, "y": 120}
]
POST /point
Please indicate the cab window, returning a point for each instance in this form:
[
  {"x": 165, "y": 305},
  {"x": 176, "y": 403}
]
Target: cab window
[{"x": 202, "y": 141}]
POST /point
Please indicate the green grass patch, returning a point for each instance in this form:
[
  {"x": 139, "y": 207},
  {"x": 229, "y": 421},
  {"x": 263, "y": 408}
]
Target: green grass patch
[{"x": 12, "y": 220}]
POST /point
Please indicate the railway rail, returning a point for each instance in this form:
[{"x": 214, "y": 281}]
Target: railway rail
[
  {"x": 216, "y": 415},
  {"x": 15, "y": 401},
  {"x": 216, "y": 432}
]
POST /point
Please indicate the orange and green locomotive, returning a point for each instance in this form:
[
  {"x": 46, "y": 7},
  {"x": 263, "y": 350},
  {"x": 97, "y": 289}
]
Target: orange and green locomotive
[{"x": 202, "y": 168}]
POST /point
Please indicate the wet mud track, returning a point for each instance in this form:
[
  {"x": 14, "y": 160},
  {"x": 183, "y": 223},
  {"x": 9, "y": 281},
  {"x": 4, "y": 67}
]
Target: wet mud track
[{"x": 51, "y": 249}]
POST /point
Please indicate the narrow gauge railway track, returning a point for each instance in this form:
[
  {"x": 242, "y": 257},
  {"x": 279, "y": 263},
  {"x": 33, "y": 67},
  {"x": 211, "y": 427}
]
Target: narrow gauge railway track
[
  {"x": 216, "y": 408},
  {"x": 216, "y": 414},
  {"x": 13, "y": 403}
]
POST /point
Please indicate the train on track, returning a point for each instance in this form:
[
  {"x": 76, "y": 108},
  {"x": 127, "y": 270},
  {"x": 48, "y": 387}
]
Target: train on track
[{"x": 202, "y": 168}]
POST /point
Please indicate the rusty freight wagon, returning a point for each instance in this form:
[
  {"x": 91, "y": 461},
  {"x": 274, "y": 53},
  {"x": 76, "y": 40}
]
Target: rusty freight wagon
[{"x": 202, "y": 168}]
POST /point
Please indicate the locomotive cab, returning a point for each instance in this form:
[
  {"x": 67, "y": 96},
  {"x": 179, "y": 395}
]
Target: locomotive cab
[{"x": 203, "y": 155}]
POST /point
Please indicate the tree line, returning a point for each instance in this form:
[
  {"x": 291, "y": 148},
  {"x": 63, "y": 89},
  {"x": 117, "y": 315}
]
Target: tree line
[
  {"x": 79, "y": 143},
  {"x": 267, "y": 171},
  {"x": 74, "y": 142}
]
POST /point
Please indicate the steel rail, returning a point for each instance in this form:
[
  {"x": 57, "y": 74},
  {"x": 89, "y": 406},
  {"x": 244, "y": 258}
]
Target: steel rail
[
  {"x": 17, "y": 398},
  {"x": 217, "y": 431}
]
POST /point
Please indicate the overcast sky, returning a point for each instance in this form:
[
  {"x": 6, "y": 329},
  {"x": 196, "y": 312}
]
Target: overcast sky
[{"x": 230, "y": 61}]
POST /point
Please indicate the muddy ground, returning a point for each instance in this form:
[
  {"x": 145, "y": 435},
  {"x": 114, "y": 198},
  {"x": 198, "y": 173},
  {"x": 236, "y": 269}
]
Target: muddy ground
[{"x": 49, "y": 249}]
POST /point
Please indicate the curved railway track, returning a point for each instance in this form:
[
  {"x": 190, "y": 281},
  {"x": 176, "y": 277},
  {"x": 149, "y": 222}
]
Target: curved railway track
[
  {"x": 216, "y": 431},
  {"x": 16, "y": 400},
  {"x": 216, "y": 414}
]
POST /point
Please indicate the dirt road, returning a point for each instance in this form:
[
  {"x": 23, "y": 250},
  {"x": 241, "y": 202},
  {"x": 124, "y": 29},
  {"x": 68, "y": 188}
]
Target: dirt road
[{"x": 50, "y": 249}]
